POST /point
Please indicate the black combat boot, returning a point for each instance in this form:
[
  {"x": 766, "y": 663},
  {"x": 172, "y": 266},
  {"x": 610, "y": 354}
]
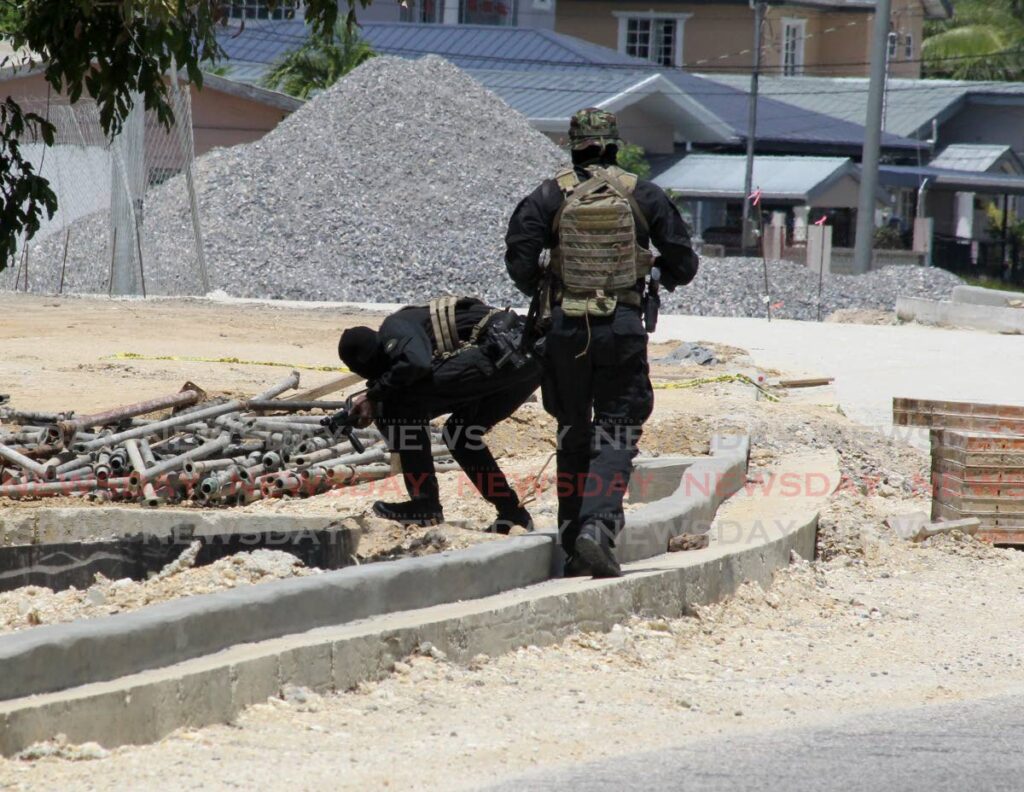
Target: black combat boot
[
  {"x": 411, "y": 512},
  {"x": 574, "y": 567},
  {"x": 594, "y": 548},
  {"x": 517, "y": 516}
]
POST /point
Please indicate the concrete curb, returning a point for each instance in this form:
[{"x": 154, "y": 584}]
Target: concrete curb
[
  {"x": 978, "y": 295},
  {"x": 60, "y": 656},
  {"x": 85, "y": 653},
  {"x": 75, "y": 524},
  {"x": 215, "y": 688},
  {"x": 692, "y": 505},
  {"x": 961, "y": 314}
]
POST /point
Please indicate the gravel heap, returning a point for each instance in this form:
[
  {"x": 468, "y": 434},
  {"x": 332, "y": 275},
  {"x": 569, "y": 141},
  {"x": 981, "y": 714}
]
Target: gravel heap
[
  {"x": 735, "y": 287},
  {"x": 401, "y": 176},
  {"x": 395, "y": 185}
]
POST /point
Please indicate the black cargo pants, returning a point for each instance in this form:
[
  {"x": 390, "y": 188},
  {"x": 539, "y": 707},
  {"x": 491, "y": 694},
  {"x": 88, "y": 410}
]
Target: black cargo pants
[
  {"x": 477, "y": 395},
  {"x": 597, "y": 385}
]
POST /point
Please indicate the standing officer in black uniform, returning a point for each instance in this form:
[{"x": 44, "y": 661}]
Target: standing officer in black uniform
[
  {"x": 454, "y": 355},
  {"x": 599, "y": 222}
]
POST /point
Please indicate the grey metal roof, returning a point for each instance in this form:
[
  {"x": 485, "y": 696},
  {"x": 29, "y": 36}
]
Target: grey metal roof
[
  {"x": 974, "y": 157},
  {"x": 778, "y": 178},
  {"x": 527, "y": 68},
  {"x": 548, "y": 94},
  {"x": 467, "y": 46},
  {"x": 779, "y": 122},
  {"x": 946, "y": 180},
  {"x": 911, "y": 106}
]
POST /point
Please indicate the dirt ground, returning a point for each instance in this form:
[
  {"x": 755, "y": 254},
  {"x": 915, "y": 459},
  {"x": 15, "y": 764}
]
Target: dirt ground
[{"x": 874, "y": 623}]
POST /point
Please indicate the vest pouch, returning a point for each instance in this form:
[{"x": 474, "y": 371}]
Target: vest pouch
[{"x": 582, "y": 305}]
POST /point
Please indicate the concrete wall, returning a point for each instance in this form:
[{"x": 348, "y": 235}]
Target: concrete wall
[
  {"x": 219, "y": 119},
  {"x": 842, "y": 259},
  {"x": 985, "y": 121}
]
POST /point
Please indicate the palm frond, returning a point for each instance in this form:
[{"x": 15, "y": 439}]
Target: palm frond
[{"x": 319, "y": 63}]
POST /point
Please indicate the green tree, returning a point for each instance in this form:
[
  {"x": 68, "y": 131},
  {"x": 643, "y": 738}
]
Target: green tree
[
  {"x": 983, "y": 41},
  {"x": 631, "y": 158},
  {"x": 109, "y": 51},
  {"x": 319, "y": 63},
  {"x": 9, "y": 16}
]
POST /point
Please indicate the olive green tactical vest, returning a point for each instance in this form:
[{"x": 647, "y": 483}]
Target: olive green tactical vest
[{"x": 598, "y": 259}]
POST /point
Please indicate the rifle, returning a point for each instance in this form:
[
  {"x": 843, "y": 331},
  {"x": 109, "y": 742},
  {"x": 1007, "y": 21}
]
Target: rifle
[
  {"x": 538, "y": 318},
  {"x": 343, "y": 422},
  {"x": 652, "y": 299}
]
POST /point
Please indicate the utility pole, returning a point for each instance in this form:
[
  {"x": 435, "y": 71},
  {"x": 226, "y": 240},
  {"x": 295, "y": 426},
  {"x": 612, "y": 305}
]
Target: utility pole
[
  {"x": 872, "y": 140},
  {"x": 759, "y": 7}
]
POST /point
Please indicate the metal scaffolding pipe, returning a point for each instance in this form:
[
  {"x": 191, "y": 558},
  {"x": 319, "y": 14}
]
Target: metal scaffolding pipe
[
  {"x": 45, "y": 472},
  {"x": 159, "y": 426}
]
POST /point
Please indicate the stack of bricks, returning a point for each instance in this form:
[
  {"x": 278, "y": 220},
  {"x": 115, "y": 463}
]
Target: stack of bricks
[{"x": 977, "y": 463}]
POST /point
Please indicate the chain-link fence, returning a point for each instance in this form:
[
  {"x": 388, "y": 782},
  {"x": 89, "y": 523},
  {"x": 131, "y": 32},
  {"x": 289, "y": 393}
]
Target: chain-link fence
[{"x": 96, "y": 242}]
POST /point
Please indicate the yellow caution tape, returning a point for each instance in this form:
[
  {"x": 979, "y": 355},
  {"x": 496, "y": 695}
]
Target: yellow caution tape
[
  {"x": 188, "y": 359},
  {"x": 694, "y": 383}
]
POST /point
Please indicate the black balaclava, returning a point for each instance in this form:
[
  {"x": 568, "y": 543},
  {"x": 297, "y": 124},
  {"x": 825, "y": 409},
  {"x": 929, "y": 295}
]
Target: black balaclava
[
  {"x": 595, "y": 155},
  {"x": 359, "y": 349}
]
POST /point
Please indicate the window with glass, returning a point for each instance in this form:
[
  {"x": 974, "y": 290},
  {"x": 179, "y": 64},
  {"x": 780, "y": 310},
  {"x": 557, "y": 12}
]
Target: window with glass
[
  {"x": 421, "y": 11},
  {"x": 487, "y": 12},
  {"x": 793, "y": 46},
  {"x": 258, "y": 9},
  {"x": 652, "y": 39},
  {"x": 908, "y": 46}
]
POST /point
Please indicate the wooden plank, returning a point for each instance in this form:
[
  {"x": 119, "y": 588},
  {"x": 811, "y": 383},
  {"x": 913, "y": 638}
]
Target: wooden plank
[
  {"x": 332, "y": 386},
  {"x": 812, "y": 382}
]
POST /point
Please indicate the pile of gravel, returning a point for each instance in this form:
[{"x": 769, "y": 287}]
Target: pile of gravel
[
  {"x": 394, "y": 184},
  {"x": 735, "y": 287}
]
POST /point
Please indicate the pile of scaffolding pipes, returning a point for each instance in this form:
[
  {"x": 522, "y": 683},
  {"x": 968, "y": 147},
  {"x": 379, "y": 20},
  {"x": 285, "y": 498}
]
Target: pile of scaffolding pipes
[{"x": 213, "y": 452}]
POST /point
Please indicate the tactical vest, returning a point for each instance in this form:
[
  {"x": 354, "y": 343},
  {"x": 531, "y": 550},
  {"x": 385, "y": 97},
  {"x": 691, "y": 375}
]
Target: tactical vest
[
  {"x": 598, "y": 259},
  {"x": 446, "y": 332}
]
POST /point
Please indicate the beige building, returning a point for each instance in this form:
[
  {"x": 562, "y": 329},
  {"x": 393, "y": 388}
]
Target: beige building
[
  {"x": 817, "y": 37},
  {"x": 224, "y": 113}
]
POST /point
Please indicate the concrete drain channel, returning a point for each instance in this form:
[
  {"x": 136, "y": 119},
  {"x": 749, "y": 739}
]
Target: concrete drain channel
[
  {"x": 62, "y": 565},
  {"x": 92, "y": 679}
]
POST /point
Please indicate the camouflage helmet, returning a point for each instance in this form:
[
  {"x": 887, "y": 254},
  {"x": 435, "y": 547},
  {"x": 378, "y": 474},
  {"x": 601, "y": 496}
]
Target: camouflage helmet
[{"x": 593, "y": 127}]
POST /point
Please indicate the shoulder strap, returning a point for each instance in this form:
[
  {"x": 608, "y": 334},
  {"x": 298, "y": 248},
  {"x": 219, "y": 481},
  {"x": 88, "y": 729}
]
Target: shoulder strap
[
  {"x": 442, "y": 321},
  {"x": 567, "y": 180}
]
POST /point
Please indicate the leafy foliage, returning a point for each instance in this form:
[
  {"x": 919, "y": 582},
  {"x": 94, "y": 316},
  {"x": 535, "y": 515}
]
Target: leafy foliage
[
  {"x": 983, "y": 41},
  {"x": 631, "y": 158},
  {"x": 888, "y": 238},
  {"x": 319, "y": 63},
  {"x": 9, "y": 16},
  {"x": 110, "y": 50}
]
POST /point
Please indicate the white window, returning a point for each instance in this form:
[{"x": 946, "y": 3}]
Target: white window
[
  {"x": 893, "y": 41},
  {"x": 420, "y": 11},
  {"x": 488, "y": 12},
  {"x": 258, "y": 9},
  {"x": 794, "y": 32},
  {"x": 652, "y": 36},
  {"x": 908, "y": 46}
]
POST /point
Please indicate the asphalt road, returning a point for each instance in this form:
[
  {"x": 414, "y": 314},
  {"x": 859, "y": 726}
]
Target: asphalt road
[{"x": 961, "y": 747}]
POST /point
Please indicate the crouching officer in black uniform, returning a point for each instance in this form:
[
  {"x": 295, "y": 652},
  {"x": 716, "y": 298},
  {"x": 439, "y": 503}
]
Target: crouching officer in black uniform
[
  {"x": 457, "y": 356},
  {"x": 598, "y": 221}
]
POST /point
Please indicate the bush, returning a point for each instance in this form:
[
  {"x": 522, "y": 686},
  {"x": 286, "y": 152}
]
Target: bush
[
  {"x": 631, "y": 158},
  {"x": 888, "y": 238}
]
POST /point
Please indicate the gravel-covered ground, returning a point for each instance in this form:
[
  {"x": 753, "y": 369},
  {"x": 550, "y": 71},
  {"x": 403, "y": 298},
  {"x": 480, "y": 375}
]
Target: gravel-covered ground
[{"x": 735, "y": 287}]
